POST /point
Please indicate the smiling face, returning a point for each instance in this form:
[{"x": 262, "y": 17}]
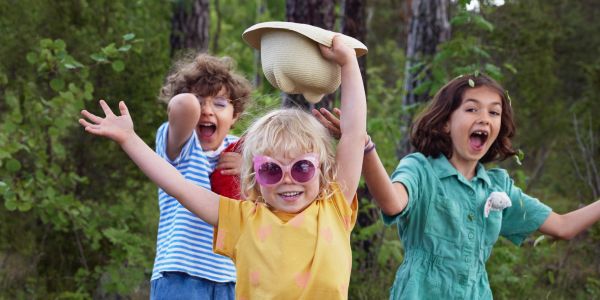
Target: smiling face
[
  {"x": 288, "y": 195},
  {"x": 215, "y": 121},
  {"x": 474, "y": 125}
]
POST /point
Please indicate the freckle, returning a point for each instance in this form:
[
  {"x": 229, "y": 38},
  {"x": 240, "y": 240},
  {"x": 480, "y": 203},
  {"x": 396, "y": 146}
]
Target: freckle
[
  {"x": 220, "y": 238},
  {"x": 302, "y": 279},
  {"x": 327, "y": 234},
  {"x": 264, "y": 232},
  {"x": 254, "y": 278},
  {"x": 297, "y": 221}
]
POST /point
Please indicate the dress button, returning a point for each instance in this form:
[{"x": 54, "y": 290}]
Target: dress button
[
  {"x": 471, "y": 217},
  {"x": 466, "y": 259},
  {"x": 471, "y": 235},
  {"x": 471, "y": 192}
]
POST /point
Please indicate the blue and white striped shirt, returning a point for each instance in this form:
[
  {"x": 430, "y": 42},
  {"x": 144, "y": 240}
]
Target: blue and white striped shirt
[{"x": 184, "y": 241}]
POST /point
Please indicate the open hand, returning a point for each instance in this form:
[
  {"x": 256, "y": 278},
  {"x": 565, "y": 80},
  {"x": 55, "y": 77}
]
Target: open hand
[
  {"x": 330, "y": 121},
  {"x": 117, "y": 128}
]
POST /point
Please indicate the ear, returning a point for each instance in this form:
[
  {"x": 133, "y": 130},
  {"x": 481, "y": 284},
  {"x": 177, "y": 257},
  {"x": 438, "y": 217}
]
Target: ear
[
  {"x": 447, "y": 127},
  {"x": 236, "y": 116}
]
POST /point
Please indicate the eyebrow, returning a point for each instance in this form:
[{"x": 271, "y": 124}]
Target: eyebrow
[{"x": 479, "y": 102}]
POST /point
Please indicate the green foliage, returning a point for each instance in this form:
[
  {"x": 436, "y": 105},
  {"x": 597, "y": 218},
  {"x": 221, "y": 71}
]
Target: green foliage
[
  {"x": 69, "y": 236},
  {"x": 82, "y": 218}
]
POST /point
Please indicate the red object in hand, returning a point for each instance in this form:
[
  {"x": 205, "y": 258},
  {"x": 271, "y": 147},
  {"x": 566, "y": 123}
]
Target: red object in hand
[{"x": 227, "y": 185}]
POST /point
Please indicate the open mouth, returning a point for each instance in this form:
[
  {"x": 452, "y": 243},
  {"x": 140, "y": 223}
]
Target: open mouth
[
  {"x": 290, "y": 196},
  {"x": 206, "y": 130},
  {"x": 477, "y": 139}
]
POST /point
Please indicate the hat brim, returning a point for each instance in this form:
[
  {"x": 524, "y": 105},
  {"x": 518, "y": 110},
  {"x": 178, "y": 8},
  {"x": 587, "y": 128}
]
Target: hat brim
[{"x": 253, "y": 35}]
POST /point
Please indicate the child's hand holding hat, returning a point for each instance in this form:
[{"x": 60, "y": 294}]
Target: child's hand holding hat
[{"x": 292, "y": 61}]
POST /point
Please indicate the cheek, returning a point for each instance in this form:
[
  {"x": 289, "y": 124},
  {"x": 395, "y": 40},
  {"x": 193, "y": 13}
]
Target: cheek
[{"x": 313, "y": 188}]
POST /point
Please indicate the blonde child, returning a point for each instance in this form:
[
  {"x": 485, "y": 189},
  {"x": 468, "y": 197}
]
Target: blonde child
[
  {"x": 292, "y": 239},
  {"x": 449, "y": 209}
]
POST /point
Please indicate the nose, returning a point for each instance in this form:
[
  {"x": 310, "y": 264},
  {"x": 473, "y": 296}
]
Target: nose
[
  {"x": 287, "y": 178},
  {"x": 484, "y": 118},
  {"x": 206, "y": 108}
]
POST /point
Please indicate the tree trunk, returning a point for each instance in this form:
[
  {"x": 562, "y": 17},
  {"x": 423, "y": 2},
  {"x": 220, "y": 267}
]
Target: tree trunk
[
  {"x": 215, "y": 40},
  {"x": 354, "y": 25},
  {"x": 428, "y": 28},
  {"x": 190, "y": 24},
  {"x": 317, "y": 13}
]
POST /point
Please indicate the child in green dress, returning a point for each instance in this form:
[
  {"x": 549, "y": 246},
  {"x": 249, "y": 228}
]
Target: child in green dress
[{"x": 450, "y": 209}]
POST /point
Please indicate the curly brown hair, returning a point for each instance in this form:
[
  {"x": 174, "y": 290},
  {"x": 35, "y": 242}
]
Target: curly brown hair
[
  {"x": 206, "y": 75},
  {"x": 428, "y": 134}
]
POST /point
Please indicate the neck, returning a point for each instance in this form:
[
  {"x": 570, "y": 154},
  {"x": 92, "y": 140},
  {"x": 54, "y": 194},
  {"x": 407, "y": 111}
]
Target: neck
[{"x": 466, "y": 168}]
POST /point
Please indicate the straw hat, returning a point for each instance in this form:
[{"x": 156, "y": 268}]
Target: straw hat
[{"x": 292, "y": 61}]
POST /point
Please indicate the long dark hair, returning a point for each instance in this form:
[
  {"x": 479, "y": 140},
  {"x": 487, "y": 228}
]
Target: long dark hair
[{"x": 428, "y": 135}]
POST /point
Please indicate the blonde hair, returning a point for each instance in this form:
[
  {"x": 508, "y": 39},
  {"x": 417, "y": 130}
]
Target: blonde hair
[{"x": 284, "y": 131}]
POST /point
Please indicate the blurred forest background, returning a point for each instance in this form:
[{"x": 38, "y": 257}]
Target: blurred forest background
[{"x": 78, "y": 220}]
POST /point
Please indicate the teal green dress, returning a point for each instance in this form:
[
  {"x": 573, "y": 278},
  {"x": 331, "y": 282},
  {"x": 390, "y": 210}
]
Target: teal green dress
[{"x": 446, "y": 236}]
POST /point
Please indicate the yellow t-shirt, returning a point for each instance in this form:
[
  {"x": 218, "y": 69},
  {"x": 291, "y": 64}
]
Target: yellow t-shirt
[{"x": 288, "y": 256}]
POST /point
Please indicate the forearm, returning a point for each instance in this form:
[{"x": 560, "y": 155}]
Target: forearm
[
  {"x": 569, "y": 225},
  {"x": 353, "y": 107},
  {"x": 390, "y": 197},
  {"x": 353, "y": 128},
  {"x": 198, "y": 200},
  {"x": 183, "y": 112}
]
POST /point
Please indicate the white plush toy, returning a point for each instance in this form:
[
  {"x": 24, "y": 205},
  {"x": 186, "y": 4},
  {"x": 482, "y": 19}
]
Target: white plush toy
[{"x": 497, "y": 201}]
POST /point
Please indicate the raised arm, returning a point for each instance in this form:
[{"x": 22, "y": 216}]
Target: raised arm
[
  {"x": 569, "y": 225},
  {"x": 200, "y": 201},
  {"x": 184, "y": 113},
  {"x": 392, "y": 198},
  {"x": 353, "y": 107}
]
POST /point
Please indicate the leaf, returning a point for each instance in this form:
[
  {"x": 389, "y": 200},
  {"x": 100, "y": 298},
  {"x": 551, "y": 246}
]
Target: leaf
[
  {"x": 482, "y": 23},
  {"x": 471, "y": 83},
  {"x": 508, "y": 97},
  {"x": 422, "y": 88},
  {"x": 57, "y": 84},
  {"x": 45, "y": 43},
  {"x": 60, "y": 44},
  {"x": 32, "y": 57},
  {"x": 461, "y": 18},
  {"x": 10, "y": 204},
  {"x": 125, "y": 48},
  {"x": 493, "y": 70},
  {"x": 538, "y": 240},
  {"x": 118, "y": 66},
  {"x": 128, "y": 37},
  {"x": 99, "y": 57},
  {"x": 521, "y": 154},
  {"x": 511, "y": 68},
  {"x": 24, "y": 206},
  {"x": 110, "y": 50},
  {"x": 13, "y": 165},
  {"x": 518, "y": 160}
]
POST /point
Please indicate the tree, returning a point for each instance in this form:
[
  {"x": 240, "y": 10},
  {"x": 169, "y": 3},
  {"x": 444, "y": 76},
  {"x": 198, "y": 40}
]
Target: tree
[
  {"x": 354, "y": 24},
  {"x": 428, "y": 28},
  {"x": 190, "y": 25},
  {"x": 317, "y": 13}
]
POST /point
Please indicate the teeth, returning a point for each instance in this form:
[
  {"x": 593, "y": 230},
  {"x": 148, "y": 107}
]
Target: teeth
[
  {"x": 206, "y": 124},
  {"x": 290, "y": 194},
  {"x": 484, "y": 133}
]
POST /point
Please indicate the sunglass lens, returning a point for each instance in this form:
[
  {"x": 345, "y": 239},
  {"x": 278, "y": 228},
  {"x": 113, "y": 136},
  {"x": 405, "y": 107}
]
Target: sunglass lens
[
  {"x": 270, "y": 173},
  {"x": 303, "y": 171}
]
